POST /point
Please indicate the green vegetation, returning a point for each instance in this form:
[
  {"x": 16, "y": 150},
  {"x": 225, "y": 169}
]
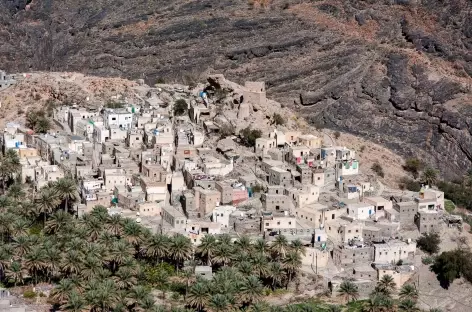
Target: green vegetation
[
  {"x": 37, "y": 121},
  {"x": 377, "y": 168},
  {"x": 337, "y": 134},
  {"x": 449, "y": 206},
  {"x": 410, "y": 184},
  {"x": 113, "y": 104},
  {"x": 9, "y": 166},
  {"x": 180, "y": 107},
  {"x": 414, "y": 166},
  {"x": 249, "y": 136},
  {"x": 429, "y": 242},
  {"x": 278, "y": 119},
  {"x": 430, "y": 176},
  {"x": 100, "y": 262},
  {"x": 453, "y": 264},
  {"x": 459, "y": 193}
]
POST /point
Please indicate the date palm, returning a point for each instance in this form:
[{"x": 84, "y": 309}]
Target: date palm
[
  {"x": 260, "y": 265},
  {"x": 260, "y": 246},
  {"x": 245, "y": 267},
  {"x": 138, "y": 294},
  {"x": 72, "y": 262},
  {"x": 244, "y": 244},
  {"x": 46, "y": 202},
  {"x": 35, "y": 261},
  {"x": 16, "y": 273},
  {"x": 6, "y": 225},
  {"x": 115, "y": 225},
  {"x": 408, "y": 291},
  {"x": 429, "y": 176},
  {"x": 62, "y": 292},
  {"x": 387, "y": 284},
  {"x": 292, "y": 263},
  {"x": 199, "y": 296},
  {"x": 91, "y": 267},
  {"x": 276, "y": 274},
  {"x": 58, "y": 222},
  {"x": 207, "y": 248},
  {"x": 66, "y": 190},
  {"x": 92, "y": 225},
  {"x": 223, "y": 254},
  {"x": 133, "y": 232},
  {"x": 408, "y": 305},
  {"x": 180, "y": 249},
  {"x": 125, "y": 279},
  {"x": 280, "y": 246},
  {"x": 218, "y": 303},
  {"x": 16, "y": 192},
  {"x": 157, "y": 247},
  {"x": 120, "y": 251},
  {"x": 251, "y": 290},
  {"x": 20, "y": 227},
  {"x": 75, "y": 303},
  {"x": 298, "y": 247},
  {"x": 22, "y": 245},
  {"x": 9, "y": 166},
  {"x": 349, "y": 291},
  {"x": 102, "y": 295}
]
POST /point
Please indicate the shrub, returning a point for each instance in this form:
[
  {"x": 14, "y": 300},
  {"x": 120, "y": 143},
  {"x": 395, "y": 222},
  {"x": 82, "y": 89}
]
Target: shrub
[
  {"x": 249, "y": 136},
  {"x": 414, "y": 166},
  {"x": 362, "y": 149},
  {"x": 429, "y": 242},
  {"x": 278, "y": 119},
  {"x": 180, "y": 107},
  {"x": 29, "y": 294},
  {"x": 409, "y": 184},
  {"x": 337, "y": 134},
  {"x": 427, "y": 260},
  {"x": 113, "y": 104},
  {"x": 257, "y": 188},
  {"x": 226, "y": 130},
  {"x": 377, "y": 168},
  {"x": 160, "y": 80}
]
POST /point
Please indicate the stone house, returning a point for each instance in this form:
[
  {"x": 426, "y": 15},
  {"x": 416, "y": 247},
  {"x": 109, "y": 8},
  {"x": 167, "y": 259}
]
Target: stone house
[
  {"x": 345, "y": 255},
  {"x": 428, "y": 221},
  {"x": 393, "y": 251},
  {"x": 174, "y": 217},
  {"x": 279, "y": 176},
  {"x": 309, "y": 140}
]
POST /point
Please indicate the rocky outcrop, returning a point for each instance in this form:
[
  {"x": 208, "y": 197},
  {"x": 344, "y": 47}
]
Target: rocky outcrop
[{"x": 397, "y": 72}]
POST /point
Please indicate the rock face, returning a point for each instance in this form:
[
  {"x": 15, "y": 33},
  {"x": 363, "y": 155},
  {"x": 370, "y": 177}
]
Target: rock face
[{"x": 395, "y": 71}]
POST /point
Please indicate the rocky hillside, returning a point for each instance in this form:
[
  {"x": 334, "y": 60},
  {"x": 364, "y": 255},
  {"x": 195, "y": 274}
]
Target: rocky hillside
[{"x": 394, "y": 71}]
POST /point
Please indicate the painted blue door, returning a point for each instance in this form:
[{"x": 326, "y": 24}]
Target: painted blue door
[
  {"x": 319, "y": 238},
  {"x": 370, "y": 212}
]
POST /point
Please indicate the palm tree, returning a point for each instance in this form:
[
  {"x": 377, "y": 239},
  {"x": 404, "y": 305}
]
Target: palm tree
[
  {"x": 223, "y": 254},
  {"x": 92, "y": 225},
  {"x": 91, "y": 267},
  {"x": 280, "y": 246},
  {"x": 244, "y": 244},
  {"x": 125, "y": 279},
  {"x": 6, "y": 221},
  {"x": 120, "y": 251},
  {"x": 46, "y": 202},
  {"x": 16, "y": 273},
  {"x": 157, "y": 247},
  {"x": 349, "y": 291},
  {"x": 334, "y": 308},
  {"x": 218, "y": 303},
  {"x": 298, "y": 247},
  {"x": 276, "y": 274},
  {"x": 260, "y": 245},
  {"x": 408, "y": 292},
  {"x": 245, "y": 267},
  {"x": 292, "y": 263},
  {"x": 132, "y": 232},
  {"x": 408, "y": 305},
  {"x": 251, "y": 289},
  {"x": 387, "y": 284},
  {"x": 115, "y": 225},
  {"x": 138, "y": 294},
  {"x": 20, "y": 227},
  {"x": 75, "y": 303},
  {"x": 430, "y": 176},
  {"x": 72, "y": 262},
  {"x": 180, "y": 249},
  {"x": 35, "y": 261},
  {"x": 260, "y": 307},
  {"x": 207, "y": 248},
  {"x": 102, "y": 295},
  {"x": 9, "y": 166},
  {"x": 59, "y": 221},
  {"x": 260, "y": 264},
  {"x": 16, "y": 192},
  {"x": 22, "y": 245},
  {"x": 435, "y": 310},
  {"x": 101, "y": 213},
  {"x": 66, "y": 191},
  {"x": 63, "y": 291}
]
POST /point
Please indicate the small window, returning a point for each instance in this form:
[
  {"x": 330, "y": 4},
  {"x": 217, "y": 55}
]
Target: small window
[{"x": 267, "y": 224}]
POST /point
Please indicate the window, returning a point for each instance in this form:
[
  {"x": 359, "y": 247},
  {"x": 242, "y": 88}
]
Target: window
[
  {"x": 380, "y": 253},
  {"x": 137, "y": 138},
  {"x": 278, "y": 222},
  {"x": 267, "y": 224},
  {"x": 349, "y": 231},
  {"x": 357, "y": 231},
  {"x": 289, "y": 222},
  {"x": 113, "y": 118},
  {"x": 333, "y": 216}
]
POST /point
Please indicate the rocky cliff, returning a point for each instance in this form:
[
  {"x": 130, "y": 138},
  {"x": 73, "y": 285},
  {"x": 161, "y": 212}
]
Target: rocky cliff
[{"x": 395, "y": 71}]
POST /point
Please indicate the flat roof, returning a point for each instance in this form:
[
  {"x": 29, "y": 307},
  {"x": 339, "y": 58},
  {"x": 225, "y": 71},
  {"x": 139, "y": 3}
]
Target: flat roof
[{"x": 174, "y": 212}]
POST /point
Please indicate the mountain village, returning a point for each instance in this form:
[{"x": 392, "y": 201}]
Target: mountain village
[{"x": 190, "y": 173}]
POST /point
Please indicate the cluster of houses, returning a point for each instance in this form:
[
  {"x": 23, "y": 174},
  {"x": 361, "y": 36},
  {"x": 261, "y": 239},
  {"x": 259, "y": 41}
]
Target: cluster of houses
[{"x": 143, "y": 162}]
